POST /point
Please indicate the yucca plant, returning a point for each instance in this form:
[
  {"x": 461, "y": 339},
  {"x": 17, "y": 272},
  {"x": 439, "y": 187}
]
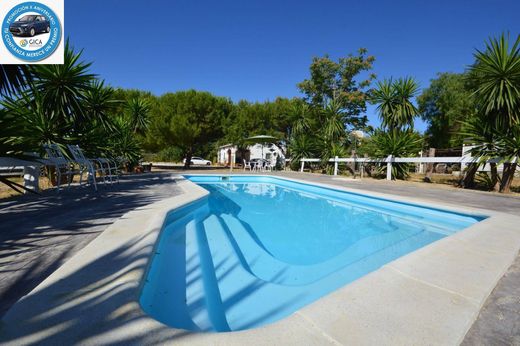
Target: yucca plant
[
  {"x": 394, "y": 105},
  {"x": 123, "y": 143},
  {"x": 508, "y": 147},
  {"x": 99, "y": 103},
  {"x": 398, "y": 143},
  {"x": 496, "y": 74},
  {"x": 302, "y": 146},
  {"x": 138, "y": 110},
  {"x": 484, "y": 137},
  {"x": 14, "y": 78},
  {"x": 301, "y": 113},
  {"x": 63, "y": 87},
  {"x": 333, "y": 124}
]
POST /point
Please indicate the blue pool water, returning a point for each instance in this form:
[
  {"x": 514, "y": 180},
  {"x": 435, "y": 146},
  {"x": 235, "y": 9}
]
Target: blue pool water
[{"x": 259, "y": 248}]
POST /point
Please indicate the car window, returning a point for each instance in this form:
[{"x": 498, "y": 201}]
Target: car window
[
  {"x": 26, "y": 18},
  {"x": 37, "y": 19},
  {"x": 196, "y": 158}
]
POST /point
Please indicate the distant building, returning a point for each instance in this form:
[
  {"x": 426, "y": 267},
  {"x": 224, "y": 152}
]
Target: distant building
[{"x": 230, "y": 153}]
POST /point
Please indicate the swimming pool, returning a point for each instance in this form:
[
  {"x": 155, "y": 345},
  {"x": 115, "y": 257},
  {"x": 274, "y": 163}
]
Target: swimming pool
[{"x": 259, "y": 248}]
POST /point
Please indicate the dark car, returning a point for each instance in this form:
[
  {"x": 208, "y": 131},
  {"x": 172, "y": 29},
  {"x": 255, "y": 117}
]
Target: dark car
[{"x": 30, "y": 24}]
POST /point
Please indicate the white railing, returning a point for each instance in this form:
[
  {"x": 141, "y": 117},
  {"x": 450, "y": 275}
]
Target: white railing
[{"x": 390, "y": 160}]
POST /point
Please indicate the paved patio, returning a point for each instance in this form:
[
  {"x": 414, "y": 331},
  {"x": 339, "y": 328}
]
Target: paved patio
[
  {"x": 55, "y": 227},
  {"x": 38, "y": 235}
]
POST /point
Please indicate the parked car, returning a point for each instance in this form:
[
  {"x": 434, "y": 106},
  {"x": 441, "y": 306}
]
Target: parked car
[
  {"x": 30, "y": 25},
  {"x": 198, "y": 161}
]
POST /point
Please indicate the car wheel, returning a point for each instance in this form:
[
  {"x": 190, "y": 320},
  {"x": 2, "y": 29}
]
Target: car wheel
[
  {"x": 32, "y": 32},
  {"x": 208, "y": 163},
  {"x": 48, "y": 29}
]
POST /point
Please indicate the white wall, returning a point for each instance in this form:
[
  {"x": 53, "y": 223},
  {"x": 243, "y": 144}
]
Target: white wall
[{"x": 270, "y": 152}]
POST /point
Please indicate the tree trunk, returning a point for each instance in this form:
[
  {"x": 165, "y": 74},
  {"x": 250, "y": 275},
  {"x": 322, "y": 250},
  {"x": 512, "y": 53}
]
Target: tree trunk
[
  {"x": 187, "y": 161},
  {"x": 468, "y": 181},
  {"x": 494, "y": 176},
  {"x": 507, "y": 177}
]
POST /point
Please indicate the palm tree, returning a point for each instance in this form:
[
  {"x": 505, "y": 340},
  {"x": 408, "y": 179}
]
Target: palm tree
[
  {"x": 395, "y": 142},
  {"x": 393, "y": 98},
  {"x": 13, "y": 78},
  {"x": 509, "y": 149},
  {"x": 63, "y": 87},
  {"x": 138, "y": 111},
  {"x": 333, "y": 124},
  {"x": 496, "y": 74},
  {"x": 482, "y": 134},
  {"x": 301, "y": 146},
  {"x": 301, "y": 114},
  {"x": 99, "y": 102}
]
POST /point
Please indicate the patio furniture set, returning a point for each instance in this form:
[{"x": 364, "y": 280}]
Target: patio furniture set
[
  {"x": 107, "y": 169},
  {"x": 258, "y": 165}
]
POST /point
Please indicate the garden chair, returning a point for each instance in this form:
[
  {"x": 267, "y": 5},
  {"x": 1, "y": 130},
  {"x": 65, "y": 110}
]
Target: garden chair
[
  {"x": 267, "y": 166},
  {"x": 258, "y": 166},
  {"x": 63, "y": 166},
  {"x": 247, "y": 165},
  {"x": 89, "y": 166}
]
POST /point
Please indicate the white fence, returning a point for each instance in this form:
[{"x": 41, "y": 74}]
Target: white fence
[{"x": 390, "y": 160}]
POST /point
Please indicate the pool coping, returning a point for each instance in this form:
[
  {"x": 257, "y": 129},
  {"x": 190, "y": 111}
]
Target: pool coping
[{"x": 431, "y": 295}]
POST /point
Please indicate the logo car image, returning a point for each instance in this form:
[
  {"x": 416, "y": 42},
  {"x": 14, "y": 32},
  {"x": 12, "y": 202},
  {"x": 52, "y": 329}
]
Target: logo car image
[{"x": 30, "y": 25}]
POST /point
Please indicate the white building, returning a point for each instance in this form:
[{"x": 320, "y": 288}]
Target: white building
[{"x": 268, "y": 151}]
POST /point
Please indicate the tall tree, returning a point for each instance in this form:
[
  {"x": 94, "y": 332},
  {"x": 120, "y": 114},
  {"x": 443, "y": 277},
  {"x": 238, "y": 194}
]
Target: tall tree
[
  {"x": 189, "y": 120},
  {"x": 340, "y": 81},
  {"x": 444, "y": 105}
]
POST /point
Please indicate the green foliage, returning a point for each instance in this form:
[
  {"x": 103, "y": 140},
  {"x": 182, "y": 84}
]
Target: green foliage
[
  {"x": 138, "y": 112},
  {"x": 122, "y": 141},
  {"x": 63, "y": 87},
  {"x": 496, "y": 78},
  {"x": 340, "y": 81},
  {"x": 393, "y": 98},
  {"x": 170, "y": 154},
  {"x": 496, "y": 74},
  {"x": 445, "y": 104},
  {"x": 398, "y": 143},
  {"x": 189, "y": 120},
  {"x": 65, "y": 104},
  {"x": 249, "y": 119},
  {"x": 302, "y": 146},
  {"x": 14, "y": 78}
]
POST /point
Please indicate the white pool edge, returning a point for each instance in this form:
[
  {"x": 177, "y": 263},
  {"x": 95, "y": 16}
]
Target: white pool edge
[{"x": 431, "y": 295}]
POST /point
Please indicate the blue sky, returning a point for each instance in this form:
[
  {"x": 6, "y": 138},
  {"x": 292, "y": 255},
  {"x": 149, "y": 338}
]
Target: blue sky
[{"x": 258, "y": 50}]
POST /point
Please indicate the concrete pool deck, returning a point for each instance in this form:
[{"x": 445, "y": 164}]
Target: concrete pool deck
[{"x": 432, "y": 295}]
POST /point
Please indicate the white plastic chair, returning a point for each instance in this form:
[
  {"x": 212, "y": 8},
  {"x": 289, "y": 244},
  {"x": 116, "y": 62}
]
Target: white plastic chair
[
  {"x": 258, "y": 166},
  {"x": 62, "y": 165},
  {"x": 247, "y": 165}
]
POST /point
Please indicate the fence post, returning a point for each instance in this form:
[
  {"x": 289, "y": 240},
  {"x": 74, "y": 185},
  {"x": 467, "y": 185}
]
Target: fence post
[
  {"x": 429, "y": 166},
  {"x": 301, "y": 167},
  {"x": 389, "y": 167},
  {"x": 336, "y": 165}
]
